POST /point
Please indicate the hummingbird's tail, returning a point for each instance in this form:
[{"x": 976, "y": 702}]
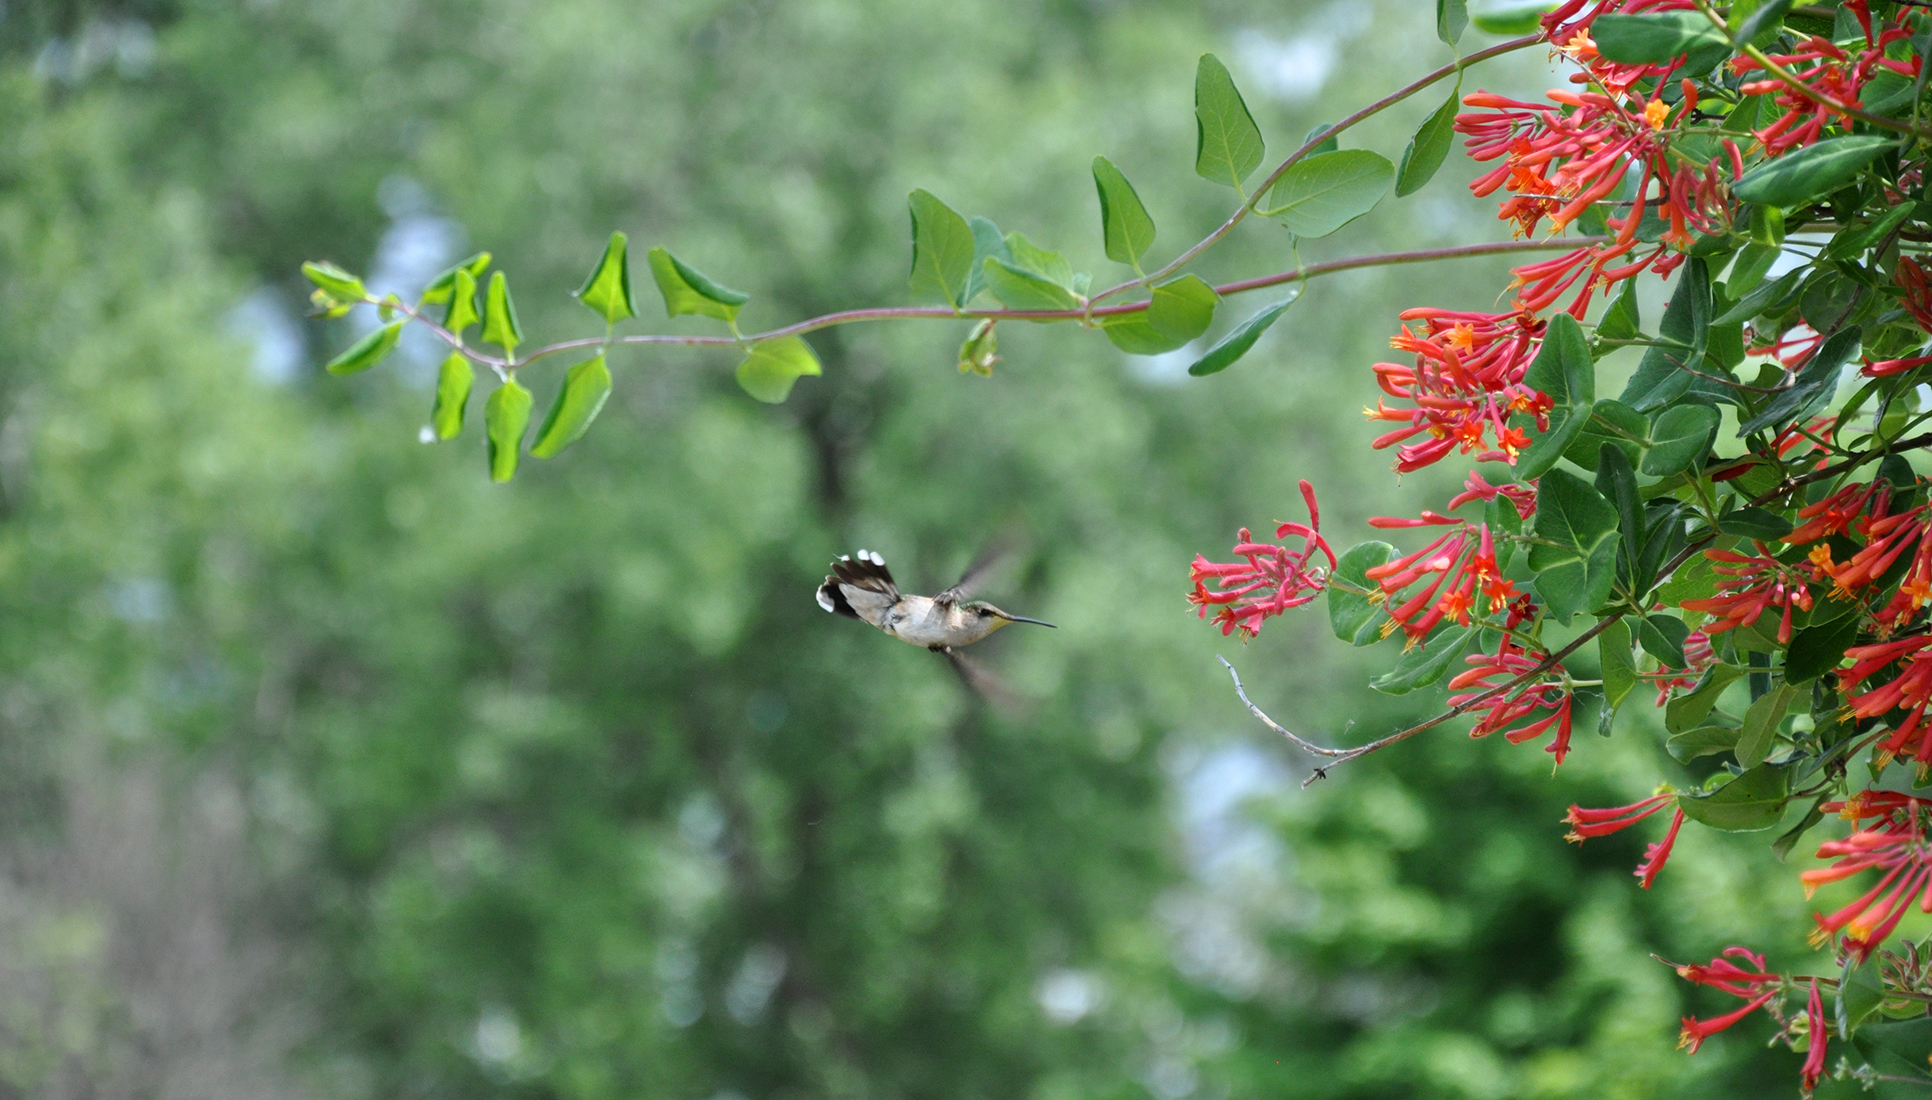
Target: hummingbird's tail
[{"x": 866, "y": 579}]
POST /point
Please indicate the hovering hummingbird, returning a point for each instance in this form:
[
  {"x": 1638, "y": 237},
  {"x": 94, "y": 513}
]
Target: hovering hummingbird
[{"x": 862, "y": 588}]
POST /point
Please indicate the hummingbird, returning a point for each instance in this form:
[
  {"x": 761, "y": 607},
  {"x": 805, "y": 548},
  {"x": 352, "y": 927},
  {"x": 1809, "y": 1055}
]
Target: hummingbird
[{"x": 862, "y": 588}]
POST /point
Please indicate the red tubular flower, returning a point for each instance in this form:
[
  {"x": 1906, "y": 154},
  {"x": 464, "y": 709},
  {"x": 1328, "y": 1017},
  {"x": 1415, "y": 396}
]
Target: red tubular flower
[
  {"x": 1756, "y": 987},
  {"x": 1476, "y": 487},
  {"x": 1588, "y": 823},
  {"x": 1909, "y": 691},
  {"x": 1657, "y": 852},
  {"x": 1834, "y": 514},
  {"x": 1465, "y": 384},
  {"x": 1699, "y": 656},
  {"x": 1826, "y": 69},
  {"x": 1274, "y": 579},
  {"x": 1752, "y": 585},
  {"x": 1488, "y": 671},
  {"x": 1818, "y": 1038},
  {"x": 1464, "y": 571},
  {"x": 1910, "y": 278},
  {"x": 1897, "y": 846}
]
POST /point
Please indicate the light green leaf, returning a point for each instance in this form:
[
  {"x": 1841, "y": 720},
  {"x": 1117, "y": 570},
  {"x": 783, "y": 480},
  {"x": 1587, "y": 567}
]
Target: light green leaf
[
  {"x": 1812, "y": 172},
  {"x": 1702, "y": 741},
  {"x": 1183, "y": 308},
  {"x": 1045, "y": 263},
  {"x": 1679, "y": 438},
  {"x": 1748, "y": 803},
  {"x": 1451, "y": 17},
  {"x": 1430, "y": 145},
  {"x": 461, "y": 313},
  {"x": 439, "y": 288},
  {"x": 1511, "y": 19},
  {"x": 1653, "y": 38},
  {"x": 1018, "y": 288},
  {"x": 1323, "y": 193},
  {"x": 607, "y": 292},
  {"x": 1356, "y": 618},
  {"x": 771, "y": 368},
  {"x": 942, "y": 252},
  {"x": 1227, "y": 145},
  {"x": 505, "y": 415},
  {"x": 987, "y": 241},
  {"x": 981, "y": 350},
  {"x": 1230, "y": 348},
  {"x": 586, "y": 387},
  {"x": 687, "y": 290},
  {"x": 1124, "y": 222},
  {"x": 500, "y": 325},
  {"x": 453, "y": 381},
  {"x": 1131, "y": 333},
  {"x": 335, "y": 282},
  {"x": 368, "y": 351}
]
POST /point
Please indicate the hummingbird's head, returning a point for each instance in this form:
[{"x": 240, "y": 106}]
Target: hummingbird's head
[{"x": 992, "y": 618}]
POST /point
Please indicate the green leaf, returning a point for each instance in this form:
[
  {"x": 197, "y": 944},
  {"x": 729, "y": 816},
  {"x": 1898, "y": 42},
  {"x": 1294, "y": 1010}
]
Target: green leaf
[
  {"x": 1617, "y": 481},
  {"x": 1686, "y": 711},
  {"x": 607, "y": 292},
  {"x": 1860, "y": 993},
  {"x": 1649, "y": 39},
  {"x": 1043, "y": 262},
  {"x": 1124, "y": 222},
  {"x": 1663, "y": 637},
  {"x": 1746, "y": 274},
  {"x": 1423, "y": 665},
  {"x": 942, "y": 252},
  {"x": 1662, "y": 376},
  {"x": 368, "y": 351},
  {"x": 505, "y": 415},
  {"x": 981, "y": 350},
  {"x": 1451, "y": 17},
  {"x": 1131, "y": 333},
  {"x": 1818, "y": 648},
  {"x": 1227, "y": 143},
  {"x": 1748, "y": 803},
  {"x": 687, "y": 290},
  {"x": 1763, "y": 295},
  {"x": 1813, "y": 386},
  {"x": 1230, "y": 348},
  {"x": 1512, "y": 19},
  {"x": 586, "y": 387},
  {"x": 1323, "y": 193},
  {"x": 1768, "y": 16},
  {"x": 1760, "y": 729},
  {"x": 1611, "y": 422},
  {"x": 1897, "y": 1051},
  {"x": 771, "y": 367},
  {"x": 1327, "y": 145},
  {"x": 1565, "y": 372},
  {"x": 461, "y": 313},
  {"x": 439, "y": 289},
  {"x": 1754, "y": 523},
  {"x": 1430, "y": 145},
  {"x": 1679, "y": 439},
  {"x": 335, "y": 282},
  {"x": 500, "y": 325},
  {"x": 1852, "y": 243},
  {"x": 1354, "y": 617},
  {"x": 1183, "y": 308},
  {"x": 453, "y": 381},
  {"x": 1018, "y": 288},
  {"x": 1702, "y": 741},
  {"x": 1619, "y": 667},
  {"x": 1621, "y": 321},
  {"x": 987, "y": 241},
  {"x": 1812, "y": 172},
  {"x": 1574, "y": 556}
]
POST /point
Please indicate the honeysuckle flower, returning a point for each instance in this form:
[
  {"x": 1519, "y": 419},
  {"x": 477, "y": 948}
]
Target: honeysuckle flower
[
  {"x": 1491, "y": 670},
  {"x": 1917, "y": 300},
  {"x": 1825, "y": 68},
  {"x": 1748, "y": 587},
  {"x": 1756, "y": 987},
  {"x": 1895, "y": 845},
  {"x": 1463, "y": 388},
  {"x": 1477, "y": 487},
  {"x": 1817, "y": 1036},
  {"x": 1274, "y": 579},
  {"x": 1699, "y": 654},
  {"x": 1909, "y": 691},
  {"x": 1833, "y": 515},
  {"x": 1592, "y": 823}
]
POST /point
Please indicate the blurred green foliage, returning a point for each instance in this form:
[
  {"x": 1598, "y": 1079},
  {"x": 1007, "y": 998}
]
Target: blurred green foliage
[{"x": 333, "y": 769}]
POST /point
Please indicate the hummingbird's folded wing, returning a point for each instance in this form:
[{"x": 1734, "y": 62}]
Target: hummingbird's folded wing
[
  {"x": 861, "y": 588},
  {"x": 975, "y": 574}
]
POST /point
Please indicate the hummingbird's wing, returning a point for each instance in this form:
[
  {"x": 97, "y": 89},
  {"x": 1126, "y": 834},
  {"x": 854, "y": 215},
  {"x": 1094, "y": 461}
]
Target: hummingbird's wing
[
  {"x": 975, "y": 574},
  {"x": 982, "y": 681},
  {"x": 860, "y": 589}
]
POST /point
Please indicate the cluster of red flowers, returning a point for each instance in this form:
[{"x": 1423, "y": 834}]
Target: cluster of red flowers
[
  {"x": 1751, "y": 585},
  {"x": 1896, "y": 845},
  {"x": 1274, "y": 579},
  {"x": 1837, "y": 74},
  {"x": 1585, "y": 824},
  {"x": 1758, "y": 987}
]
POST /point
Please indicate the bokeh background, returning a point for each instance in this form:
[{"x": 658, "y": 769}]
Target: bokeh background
[{"x": 329, "y": 769}]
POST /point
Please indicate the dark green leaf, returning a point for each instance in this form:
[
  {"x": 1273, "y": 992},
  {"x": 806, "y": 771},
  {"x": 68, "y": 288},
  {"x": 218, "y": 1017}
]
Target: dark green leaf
[
  {"x": 1648, "y": 39},
  {"x": 1767, "y": 17},
  {"x": 1787, "y": 840},
  {"x": 1451, "y": 17},
  {"x": 771, "y": 367},
  {"x": 1860, "y": 992},
  {"x": 1565, "y": 372},
  {"x": 1812, "y": 172},
  {"x": 1355, "y": 617},
  {"x": 500, "y": 326},
  {"x": 1430, "y": 145},
  {"x": 1679, "y": 439},
  {"x": 1611, "y": 422},
  {"x": 1747, "y": 272},
  {"x": 1661, "y": 377},
  {"x": 453, "y": 381},
  {"x": 1617, "y": 481},
  {"x": 1323, "y": 193},
  {"x": 368, "y": 351},
  {"x": 1813, "y": 386},
  {"x": 1663, "y": 637},
  {"x": 1124, "y": 222},
  {"x": 1898, "y": 1049},
  {"x": 1765, "y": 294},
  {"x": 687, "y": 290},
  {"x": 1702, "y": 741},
  {"x": 1818, "y": 648},
  {"x": 586, "y": 387},
  {"x": 1423, "y": 665},
  {"x": 335, "y": 282},
  {"x": 1754, "y": 523},
  {"x": 1572, "y": 520},
  {"x": 1619, "y": 668},
  {"x": 1621, "y": 320},
  {"x": 1686, "y": 711},
  {"x": 1760, "y": 729},
  {"x": 1240, "y": 339},
  {"x": 942, "y": 252},
  {"x": 505, "y": 415},
  {"x": 607, "y": 292},
  {"x": 1227, "y": 144},
  {"x": 1748, "y": 803},
  {"x": 1182, "y": 309}
]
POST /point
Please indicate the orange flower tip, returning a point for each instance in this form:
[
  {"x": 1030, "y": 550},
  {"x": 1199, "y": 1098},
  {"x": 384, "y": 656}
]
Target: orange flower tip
[{"x": 1655, "y": 112}]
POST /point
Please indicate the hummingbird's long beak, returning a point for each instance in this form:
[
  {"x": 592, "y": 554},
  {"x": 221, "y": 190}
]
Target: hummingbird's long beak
[{"x": 1021, "y": 619}]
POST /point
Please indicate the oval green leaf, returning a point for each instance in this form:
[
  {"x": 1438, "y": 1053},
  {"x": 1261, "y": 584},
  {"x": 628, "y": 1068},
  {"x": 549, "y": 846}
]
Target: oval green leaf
[
  {"x": 1678, "y": 439},
  {"x": 586, "y": 387},
  {"x": 942, "y": 251},
  {"x": 1182, "y": 309},
  {"x": 1125, "y": 225},
  {"x": 453, "y": 382},
  {"x": 1227, "y": 143},
  {"x": 505, "y": 415},
  {"x": 771, "y": 368},
  {"x": 1355, "y": 612},
  {"x": 368, "y": 351},
  {"x": 1429, "y": 147},
  {"x": 1241, "y": 339},
  {"x": 334, "y": 281},
  {"x": 1812, "y": 172},
  {"x": 688, "y": 290},
  {"x": 1323, "y": 193},
  {"x": 1748, "y": 803},
  {"x": 607, "y": 292},
  {"x": 1649, "y": 39}
]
